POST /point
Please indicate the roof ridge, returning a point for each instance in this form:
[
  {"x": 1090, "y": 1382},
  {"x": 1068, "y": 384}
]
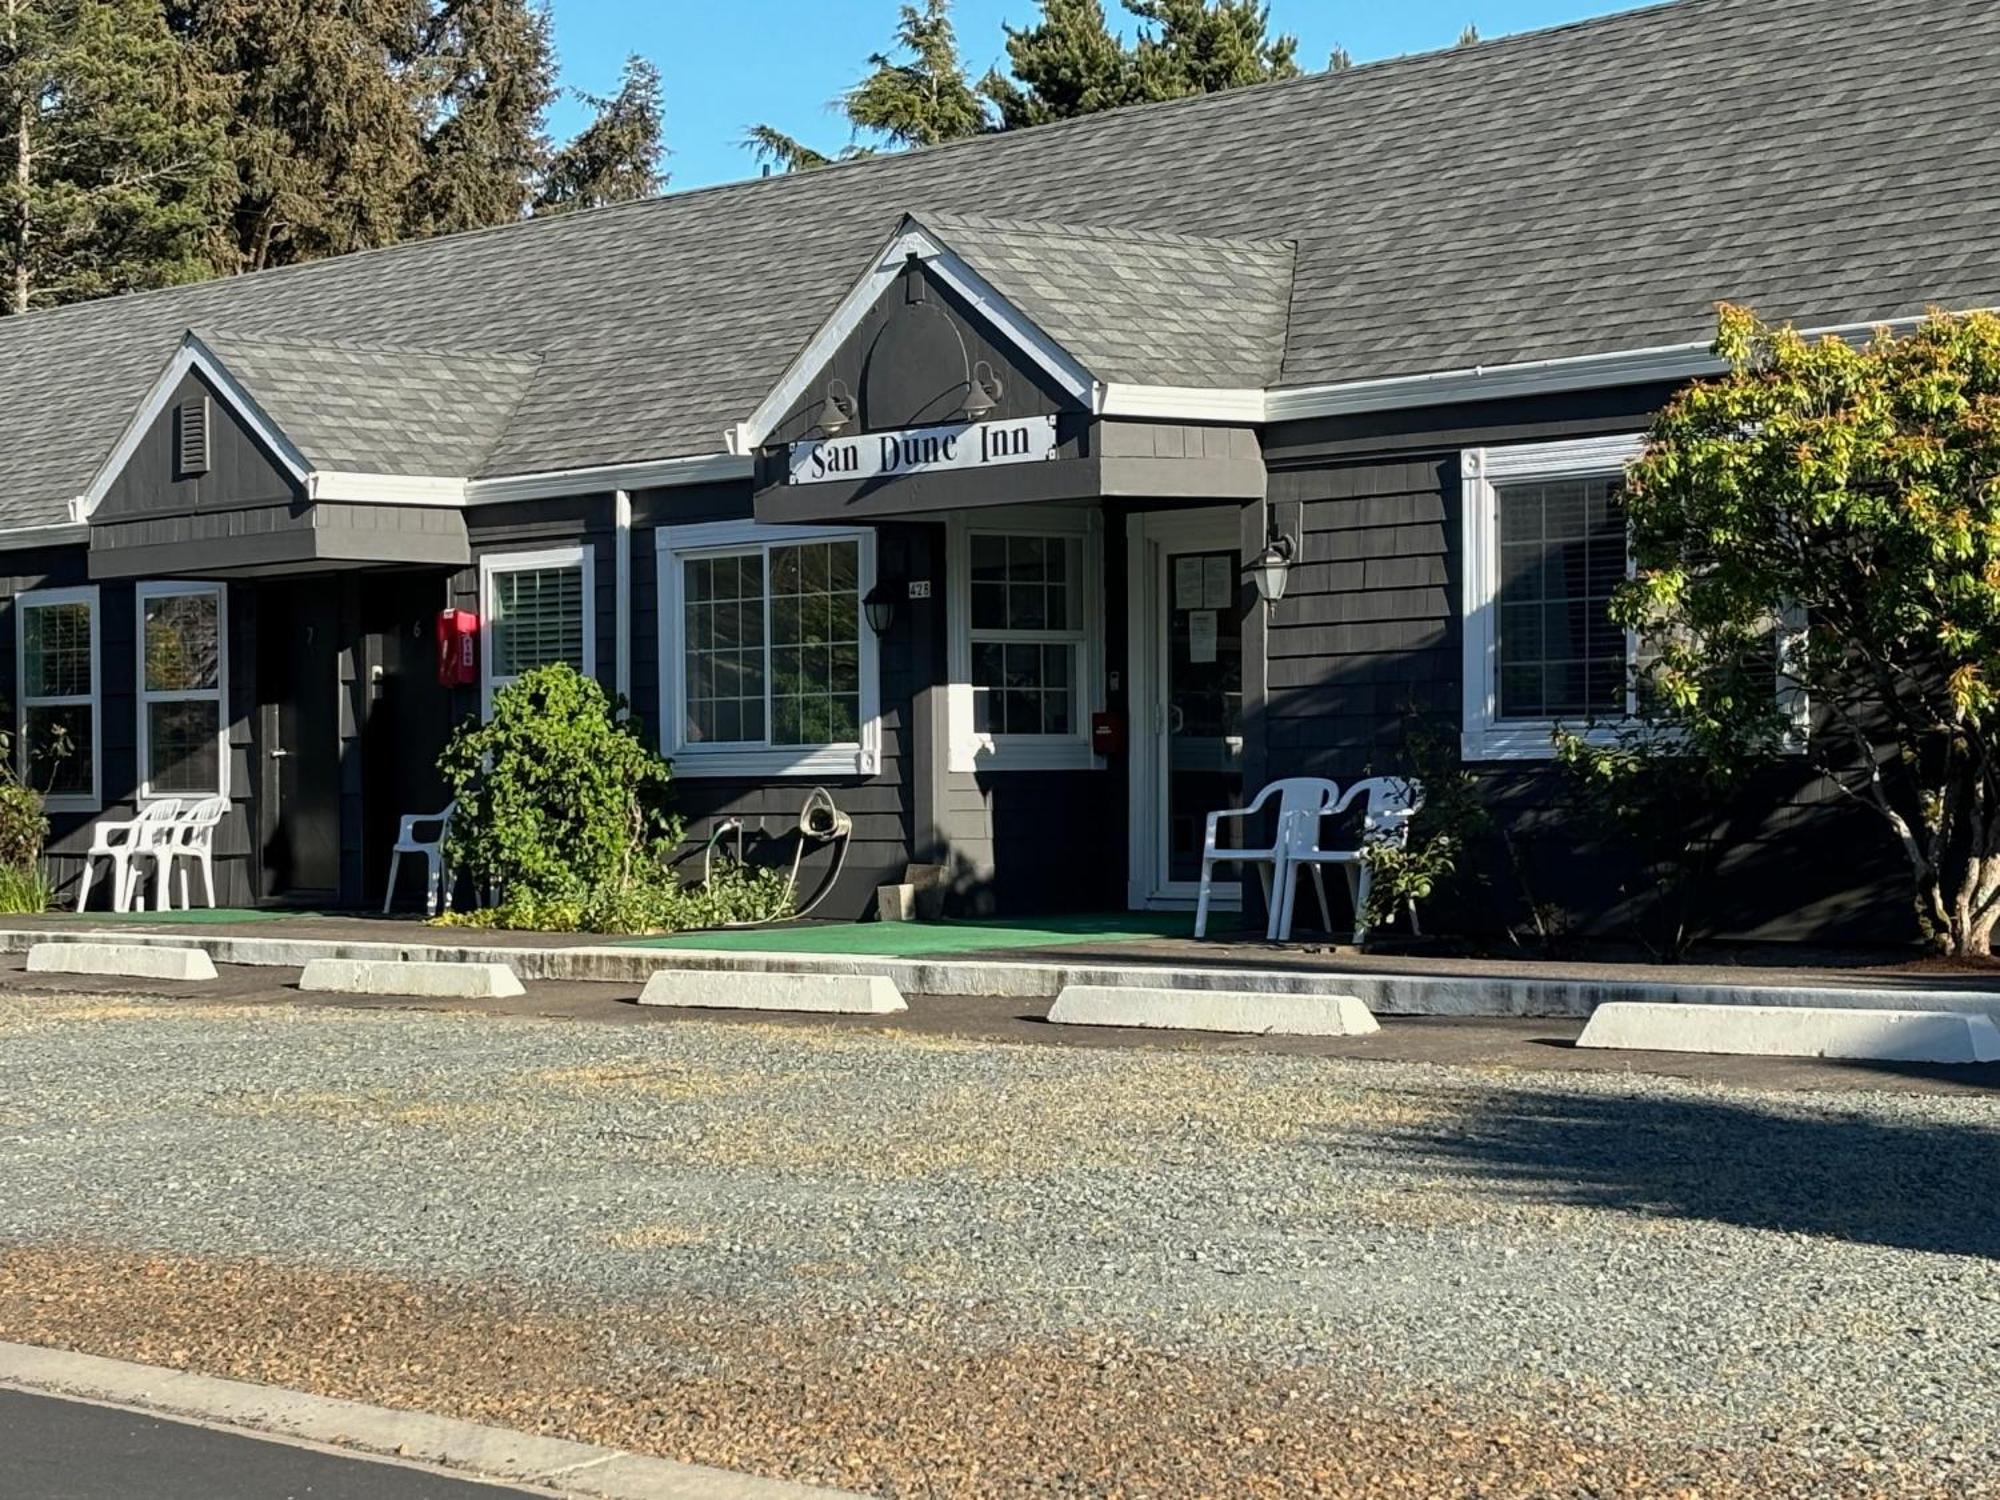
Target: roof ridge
[
  {"x": 1106, "y": 231},
  {"x": 213, "y": 333}
]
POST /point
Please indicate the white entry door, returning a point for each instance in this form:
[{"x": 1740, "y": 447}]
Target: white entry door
[{"x": 1186, "y": 634}]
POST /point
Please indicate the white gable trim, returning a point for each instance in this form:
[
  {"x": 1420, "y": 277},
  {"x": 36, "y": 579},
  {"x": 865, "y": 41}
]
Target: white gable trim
[
  {"x": 601, "y": 479},
  {"x": 914, "y": 242},
  {"x": 1184, "y": 403},
  {"x": 195, "y": 356},
  {"x": 385, "y": 489}
]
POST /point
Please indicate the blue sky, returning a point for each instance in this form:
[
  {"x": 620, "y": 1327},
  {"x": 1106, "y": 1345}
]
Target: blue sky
[{"x": 732, "y": 64}]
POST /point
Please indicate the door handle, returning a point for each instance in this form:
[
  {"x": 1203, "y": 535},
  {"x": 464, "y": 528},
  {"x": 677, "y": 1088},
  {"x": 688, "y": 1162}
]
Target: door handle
[{"x": 279, "y": 754}]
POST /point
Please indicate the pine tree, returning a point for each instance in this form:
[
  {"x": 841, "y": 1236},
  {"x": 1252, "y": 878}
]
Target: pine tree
[
  {"x": 926, "y": 100},
  {"x": 1068, "y": 63},
  {"x": 1340, "y": 60},
  {"x": 922, "y": 101},
  {"x": 1469, "y": 37},
  {"x": 491, "y": 79},
  {"x": 1205, "y": 46},
  {"x": 111, "y": 165},
  {"x": 326, "y": 107},
  {"x": 618, "y": 156}
]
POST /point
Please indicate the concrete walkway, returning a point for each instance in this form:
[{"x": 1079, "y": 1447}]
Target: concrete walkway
[{"x": 1388, "y": 984}]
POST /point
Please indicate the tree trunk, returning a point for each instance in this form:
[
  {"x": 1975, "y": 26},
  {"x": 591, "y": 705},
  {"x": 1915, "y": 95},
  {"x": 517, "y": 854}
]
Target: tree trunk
[{"x": 20, "y": 282}]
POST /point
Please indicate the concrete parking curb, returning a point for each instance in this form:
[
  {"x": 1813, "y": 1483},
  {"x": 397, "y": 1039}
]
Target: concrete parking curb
[
  {"x": 1384, "y": 993},
  {"x": 491, "y": 1453}
]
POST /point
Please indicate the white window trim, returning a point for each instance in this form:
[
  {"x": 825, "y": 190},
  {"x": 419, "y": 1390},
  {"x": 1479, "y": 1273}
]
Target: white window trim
[
  {"x": 491, "y": 565},
  {"x": 218, "y": 695},
  {"x": 969, "y": 750},
  {"x": 1485, "y": 735},
  {"x": 82, "y": 594},
  {"x": 672, "y": 544}
]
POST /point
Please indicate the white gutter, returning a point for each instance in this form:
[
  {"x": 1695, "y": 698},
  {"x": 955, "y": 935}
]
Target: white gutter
[
  {"x": 621, "y": 593},
  {"x": 649, "y": 474}
]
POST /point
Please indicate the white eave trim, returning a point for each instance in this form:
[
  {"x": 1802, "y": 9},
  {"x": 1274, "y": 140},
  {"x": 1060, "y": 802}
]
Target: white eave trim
[
  {"x": 1189, "y": 403},
  {"x": 385, "y": 489},
  {"x": 650, "y": 474},
  {"x": 914, "y": 242}
]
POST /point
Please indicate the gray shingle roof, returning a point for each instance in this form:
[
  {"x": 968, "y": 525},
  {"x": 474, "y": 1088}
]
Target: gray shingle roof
[
  {"x": 1150, "y": 308},
  {"x": 1589, "y": 188},
  {"x": 380, "y": 411}
]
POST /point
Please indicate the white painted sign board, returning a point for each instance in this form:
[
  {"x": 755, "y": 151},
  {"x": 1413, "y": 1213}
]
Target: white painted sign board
[{"x": 923, "y": 450}]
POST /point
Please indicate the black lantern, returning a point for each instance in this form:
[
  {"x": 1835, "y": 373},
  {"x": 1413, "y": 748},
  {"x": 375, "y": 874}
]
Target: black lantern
[
  {"x": 880, "y": 608},
  {"x": 982, "y": 392},
  {"x": 837, "y": 410},
  {"x": 1270, "y": 569}
]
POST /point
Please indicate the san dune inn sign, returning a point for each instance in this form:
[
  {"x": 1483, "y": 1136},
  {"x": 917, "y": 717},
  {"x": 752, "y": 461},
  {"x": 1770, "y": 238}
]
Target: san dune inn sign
[{"x": 923, "y": 450}]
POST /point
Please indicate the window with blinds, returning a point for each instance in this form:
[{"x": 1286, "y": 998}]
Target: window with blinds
[{"x": 537, "y": 618}]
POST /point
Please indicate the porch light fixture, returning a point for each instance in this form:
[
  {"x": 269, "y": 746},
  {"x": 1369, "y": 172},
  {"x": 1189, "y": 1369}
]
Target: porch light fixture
[
  {"x": 837, "y": 410},
  {"x": 880, "y": 607},
  {"x": 1271, "y": 568},
  {"x": 982, "y": 392}
]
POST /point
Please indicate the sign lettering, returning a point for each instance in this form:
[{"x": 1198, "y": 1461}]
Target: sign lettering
[{"x": 923, "y": 450}]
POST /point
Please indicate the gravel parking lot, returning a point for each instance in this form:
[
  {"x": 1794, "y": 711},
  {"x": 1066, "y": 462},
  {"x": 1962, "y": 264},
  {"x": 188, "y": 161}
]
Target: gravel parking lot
[{"x": 927, "y": 1266}]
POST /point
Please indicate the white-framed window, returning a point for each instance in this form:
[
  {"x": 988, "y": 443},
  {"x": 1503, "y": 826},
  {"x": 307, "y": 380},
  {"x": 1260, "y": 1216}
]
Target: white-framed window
[
  {"x": 1546, "y": 545},
  {"x": 1026, "y": 641},
  {"x": 58, "y": 671},
  {"x": 767, "y": 664},
  {"x": 183, "y": 679},
  {"x": 535, "y": 610}
]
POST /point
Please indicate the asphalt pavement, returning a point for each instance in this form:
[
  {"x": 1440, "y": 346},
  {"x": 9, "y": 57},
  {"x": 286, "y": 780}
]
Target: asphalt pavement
[{"x": 55, "y": 1449}]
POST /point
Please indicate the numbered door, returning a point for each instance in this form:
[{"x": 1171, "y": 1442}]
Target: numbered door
[{"x": 1190, "y": 687}]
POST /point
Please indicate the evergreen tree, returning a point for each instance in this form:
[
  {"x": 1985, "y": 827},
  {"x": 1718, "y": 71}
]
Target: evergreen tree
[
  {"x": 618, "y": 156},
  {"x": 326, "y": 108},
  {"x": 1469, "y": 37},
  {"x": 1205, "y": 46},
  {"x": 1067, "y": 64},
  {"x": 1340, "y": 60},
  {"x": 491, "y": 80},
  {"x": 926, "y": 100},
  {"x": 110, "y": 155},
  {"x": 921, "y": 101}
]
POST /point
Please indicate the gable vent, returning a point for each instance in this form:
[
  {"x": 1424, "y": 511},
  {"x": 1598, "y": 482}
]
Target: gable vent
[{"x": 191, "y": 438}]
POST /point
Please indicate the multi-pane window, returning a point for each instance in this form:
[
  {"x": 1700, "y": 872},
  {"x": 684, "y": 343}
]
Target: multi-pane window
[
  {"x": 1026, "y": 632},
  {"x": 771, "y": 645},
  {"x": 538, "y": 617},
  {"x": 1561, "y": 556},
  {"x": 57, "y": 662},
  {"x": 182, "y": 740}
]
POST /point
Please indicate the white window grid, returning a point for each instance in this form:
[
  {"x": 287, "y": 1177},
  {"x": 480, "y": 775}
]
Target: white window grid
[{"x": 93, "y": 700}]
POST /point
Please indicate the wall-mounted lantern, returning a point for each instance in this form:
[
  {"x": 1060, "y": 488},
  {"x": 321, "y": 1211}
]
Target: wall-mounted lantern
[
  {"x": 837, "y": 410},
  {"x": 880, "y": 608},
  {"x": 1271, "y": 569},
  {"x": 982, "y": 391}
]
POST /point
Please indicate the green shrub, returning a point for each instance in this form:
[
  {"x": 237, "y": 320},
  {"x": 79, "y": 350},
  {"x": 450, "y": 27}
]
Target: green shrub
[
  {"x": 24, "y": 890},
  {"x": 557, "y": 795},
  {"x": 650, "y": 899},
  {"x": 23, "y": 826}
]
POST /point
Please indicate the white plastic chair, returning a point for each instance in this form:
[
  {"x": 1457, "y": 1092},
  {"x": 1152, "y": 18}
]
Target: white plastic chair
[
  {"x": 1388, "y": 805},
  {"x": 1296, "y": 795},
  {"x": 191, "y": 836},
  {"x": 437, "y": 888},
  {"x": 117, "y": 840}
]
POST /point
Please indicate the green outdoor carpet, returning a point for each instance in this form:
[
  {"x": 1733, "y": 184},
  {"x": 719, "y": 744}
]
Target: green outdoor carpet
[{"x": 933, "y": 939}]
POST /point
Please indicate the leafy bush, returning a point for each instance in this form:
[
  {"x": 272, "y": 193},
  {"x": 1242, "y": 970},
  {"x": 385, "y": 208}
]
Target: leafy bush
[
  {"x": 557, "y": 795},
  {"x": 651, "y": 899},
  {"x": 23, "y": 826},
  {"x": 560, "y": 812}
]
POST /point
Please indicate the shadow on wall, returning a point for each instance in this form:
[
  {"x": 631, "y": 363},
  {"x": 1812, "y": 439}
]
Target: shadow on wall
[{"x": 1824, "y": 1171}]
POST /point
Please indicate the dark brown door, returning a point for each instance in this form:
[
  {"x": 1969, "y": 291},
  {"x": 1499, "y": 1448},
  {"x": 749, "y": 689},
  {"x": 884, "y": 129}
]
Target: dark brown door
[{"x": 298, "y": 690}]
